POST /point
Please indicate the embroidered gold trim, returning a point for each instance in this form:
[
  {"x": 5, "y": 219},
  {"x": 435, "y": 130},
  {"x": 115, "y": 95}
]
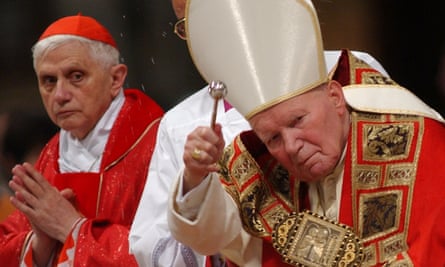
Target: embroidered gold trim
[
  {"x": 367, "y": 176},
  {"x": 368, "y": 75},
  {"x": 401, "y": 263},
  {"x": 400, "y": 174},
  {"x": 389, "y": 147},
  {"x": 379, "y": 214},
  {"x": 405, "y": 262},
  {"x": 384, "y": 142},
  {"x": 369, "y": 255},
  {"x": 311, "y": 240},
  {"x": 390, "y": 247},
  {"x": 263, "y": 194}
]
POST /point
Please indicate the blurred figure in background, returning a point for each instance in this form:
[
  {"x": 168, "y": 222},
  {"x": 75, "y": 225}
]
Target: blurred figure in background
[
  {"x": 26, "y": 134},
  {"x": 441, "y": 82},
  {"x": 5, "y": 204},
  {"x": 23, "y": 135}
]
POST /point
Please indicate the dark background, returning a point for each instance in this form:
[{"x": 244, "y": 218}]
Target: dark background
[{"x": 407, "y": 37}]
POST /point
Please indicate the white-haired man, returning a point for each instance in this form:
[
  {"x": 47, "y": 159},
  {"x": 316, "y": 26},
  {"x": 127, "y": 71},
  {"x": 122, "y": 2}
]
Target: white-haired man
[{"x": 76, "y": 205}]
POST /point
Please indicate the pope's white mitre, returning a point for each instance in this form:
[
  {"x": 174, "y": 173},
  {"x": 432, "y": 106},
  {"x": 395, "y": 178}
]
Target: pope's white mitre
[{"x": 264, "y": 51}]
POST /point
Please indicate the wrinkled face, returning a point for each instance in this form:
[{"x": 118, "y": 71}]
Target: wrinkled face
[
  {"x": 75, "y": 89},
  {"x": 306, "y": 133}
]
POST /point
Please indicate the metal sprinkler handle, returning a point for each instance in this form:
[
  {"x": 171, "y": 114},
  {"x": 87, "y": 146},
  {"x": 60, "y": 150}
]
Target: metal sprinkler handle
[{"x": 217, "y": 91}]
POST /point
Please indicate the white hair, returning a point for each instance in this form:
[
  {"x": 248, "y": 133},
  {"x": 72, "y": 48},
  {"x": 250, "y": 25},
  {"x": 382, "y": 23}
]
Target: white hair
[{"x": 104, "y": 53}]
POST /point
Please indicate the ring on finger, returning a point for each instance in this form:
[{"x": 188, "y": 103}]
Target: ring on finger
[{"x": 196, "y": 154}]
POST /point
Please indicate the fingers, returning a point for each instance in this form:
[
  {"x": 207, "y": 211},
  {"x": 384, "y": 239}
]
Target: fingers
[
  {"x": 22, "y": 195},
  {"x": 69, "y": 195},
  {"x": 18, "y": 201},
  {"x": 202, "y": 150},
  {"x": 25, "y": 179},
  {"x": 204, "y": 146},
  {"x": 23, "y": 200},
  {"x": 196, "y": 153},
  {"x": 51, "y": 212},
  {"x": 32, "y": 172},
  {"x": 30, "y": 188}
]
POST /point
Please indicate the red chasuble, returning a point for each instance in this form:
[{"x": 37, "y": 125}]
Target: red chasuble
[{"x": 107, "y": 199}]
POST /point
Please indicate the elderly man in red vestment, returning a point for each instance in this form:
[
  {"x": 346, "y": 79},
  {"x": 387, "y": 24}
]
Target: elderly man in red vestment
[
  {"x": 340, "y": 168},
  {"x": 76, "y": 205}
]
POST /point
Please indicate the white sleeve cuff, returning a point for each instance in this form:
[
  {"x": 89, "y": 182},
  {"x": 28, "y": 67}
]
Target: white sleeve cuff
[{"x": 189, "y": 204}]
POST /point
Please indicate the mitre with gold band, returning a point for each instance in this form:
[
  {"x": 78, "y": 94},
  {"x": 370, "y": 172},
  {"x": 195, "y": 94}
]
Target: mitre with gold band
[{"x": 255, "y": 48}]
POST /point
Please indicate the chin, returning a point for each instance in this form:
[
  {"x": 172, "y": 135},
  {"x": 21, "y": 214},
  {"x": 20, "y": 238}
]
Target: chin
[{"x": 315, "y": 173}]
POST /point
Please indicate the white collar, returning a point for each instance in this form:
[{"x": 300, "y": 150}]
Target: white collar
[{"x": 85, "y": 155}]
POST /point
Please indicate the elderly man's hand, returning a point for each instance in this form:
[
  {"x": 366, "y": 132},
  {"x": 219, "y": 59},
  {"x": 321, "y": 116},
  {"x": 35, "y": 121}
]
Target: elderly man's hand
[
  {"x": 48, "y": 210},
  {"x": 202, "y": 150}
]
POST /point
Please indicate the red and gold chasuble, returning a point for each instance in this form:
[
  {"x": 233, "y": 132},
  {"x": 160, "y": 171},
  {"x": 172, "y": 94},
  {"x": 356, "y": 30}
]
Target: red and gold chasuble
[
  {"x": 392, "y": 194},
  {"x": 107, "y": 199},
  {"x": 392, "y": 199}
]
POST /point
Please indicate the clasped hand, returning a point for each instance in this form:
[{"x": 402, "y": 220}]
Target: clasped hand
[{"x": 49, "y": 210}]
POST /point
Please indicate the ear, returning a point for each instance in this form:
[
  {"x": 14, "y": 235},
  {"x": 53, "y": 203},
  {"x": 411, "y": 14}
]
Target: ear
[
  {"x": 335, "y": 93},
  {"x": 118, "y": 74}
]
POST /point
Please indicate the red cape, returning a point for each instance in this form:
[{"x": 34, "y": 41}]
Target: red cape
[{"x": 108, "y": 199}]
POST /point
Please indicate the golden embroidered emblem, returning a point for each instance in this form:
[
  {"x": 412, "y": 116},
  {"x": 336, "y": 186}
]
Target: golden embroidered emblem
[
  {"x": 381, "y": 213},
  {"x": 311, "y": 240},
  {"x": 387, "y": 142}
]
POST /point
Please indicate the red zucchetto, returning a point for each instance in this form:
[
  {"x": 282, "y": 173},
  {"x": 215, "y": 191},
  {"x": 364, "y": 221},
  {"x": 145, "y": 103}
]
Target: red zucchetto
[{"x": 82, "y": 26}]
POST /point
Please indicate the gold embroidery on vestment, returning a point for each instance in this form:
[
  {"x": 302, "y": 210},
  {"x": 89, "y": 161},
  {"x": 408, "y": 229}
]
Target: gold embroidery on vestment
[
  {"x": 246, "y": 182},
  {"x": 369, "y": 255},
  {"x": 392, "y": 246},
  {"x": 379, "y": 214},
  {"x": 385, "y": 151},
  {"x": 367, "y": 176},
  {"x": 404, "y": 262},
  {"x": 311, "y": 240},
  {"x": 400, "y": 174},
  {"x": 387, "y": 142}
]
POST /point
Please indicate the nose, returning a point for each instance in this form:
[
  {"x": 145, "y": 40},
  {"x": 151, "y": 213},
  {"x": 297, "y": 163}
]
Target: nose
[
  {"x": 61, "y": 93},
  {"x": 292, "y": 141}
]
